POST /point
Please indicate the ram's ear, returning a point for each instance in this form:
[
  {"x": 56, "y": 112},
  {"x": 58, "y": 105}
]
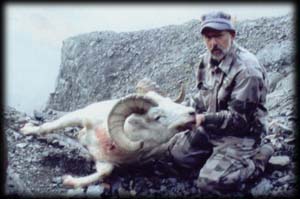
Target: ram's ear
[{"x": 123, "y": 108}]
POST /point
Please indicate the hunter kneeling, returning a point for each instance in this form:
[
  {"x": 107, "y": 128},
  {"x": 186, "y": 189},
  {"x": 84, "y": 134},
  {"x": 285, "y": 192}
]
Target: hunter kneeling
[{"x": 230, "y": 107}]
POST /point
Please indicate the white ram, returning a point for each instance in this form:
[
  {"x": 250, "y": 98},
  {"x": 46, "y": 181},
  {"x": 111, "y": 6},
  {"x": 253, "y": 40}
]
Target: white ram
[{"x": 131, "y": 129}]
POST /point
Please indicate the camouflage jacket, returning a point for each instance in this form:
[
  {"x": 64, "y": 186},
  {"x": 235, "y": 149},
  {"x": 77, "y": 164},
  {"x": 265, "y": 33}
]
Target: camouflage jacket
[{"x": 232, "y": 95}]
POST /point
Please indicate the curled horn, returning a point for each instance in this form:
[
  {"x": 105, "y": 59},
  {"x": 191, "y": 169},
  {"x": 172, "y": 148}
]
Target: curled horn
[
  {"x": 181, "y": 95},
  {"x": 145, "y": 85},
  {"x": 117, "y": 116}
]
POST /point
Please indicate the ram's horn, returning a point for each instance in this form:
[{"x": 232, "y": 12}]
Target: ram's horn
[
  {"x": 123, "y": 108},
  {"x": 181, "y": 95},
  {"x": 145, "y": 85}
]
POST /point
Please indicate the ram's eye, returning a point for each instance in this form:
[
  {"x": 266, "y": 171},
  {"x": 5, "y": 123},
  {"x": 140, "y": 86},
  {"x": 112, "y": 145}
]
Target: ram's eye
[{"x": 157, "y": 117}]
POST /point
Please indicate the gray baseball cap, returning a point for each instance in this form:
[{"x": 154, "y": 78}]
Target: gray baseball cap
[{"x": 217, "y": 20}]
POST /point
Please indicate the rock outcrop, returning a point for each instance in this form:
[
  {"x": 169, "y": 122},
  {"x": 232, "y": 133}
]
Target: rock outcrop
[{"x": 105, "y": 65}]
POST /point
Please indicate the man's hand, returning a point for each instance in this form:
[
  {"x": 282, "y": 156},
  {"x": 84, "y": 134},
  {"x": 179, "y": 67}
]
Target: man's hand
[{"x": 199, "y": 119}]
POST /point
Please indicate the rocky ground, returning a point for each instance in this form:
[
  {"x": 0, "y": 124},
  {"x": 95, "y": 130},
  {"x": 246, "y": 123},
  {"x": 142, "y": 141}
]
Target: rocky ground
[{"x": 36, "y": 164}]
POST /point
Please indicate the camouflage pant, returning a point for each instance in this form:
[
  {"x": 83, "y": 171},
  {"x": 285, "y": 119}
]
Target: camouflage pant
[
  {"x": 230, "y": 163},
  {"x": 229, "y": 166}
]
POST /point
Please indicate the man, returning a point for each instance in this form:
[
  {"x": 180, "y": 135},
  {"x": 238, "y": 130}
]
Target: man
[{"x": 230, "y": 106}]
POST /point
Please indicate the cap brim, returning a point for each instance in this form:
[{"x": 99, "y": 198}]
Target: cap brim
[{"x": 216, "y": 26}]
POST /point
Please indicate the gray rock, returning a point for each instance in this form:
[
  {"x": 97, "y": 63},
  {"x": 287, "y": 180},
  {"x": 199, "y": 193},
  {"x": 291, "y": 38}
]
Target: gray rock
[
  {"x": 79, "y": 192},
  {"x": 283, "y": 96},
  {"x": 45, "y": 153},
  {"x": 13, "y": 134},
  {"x": 279, "y": 53},
  {"x": 274, "y": 78},
  {"x": 57, "y": 180},
  {"x": 163, "y": 188},
  {"x": 286, "y": 179},
  {"x": 280, "y": 160},
  {"x": 21, "y": 145},
  {"x": 95, "y": 190},
  {"x": 277, "y": 174},
  {"x": 38, "y": 115},
  {"x": 133, "y": 192},
  {"x": 287, "y": 83},
  {"x": 263, "y": 188}
]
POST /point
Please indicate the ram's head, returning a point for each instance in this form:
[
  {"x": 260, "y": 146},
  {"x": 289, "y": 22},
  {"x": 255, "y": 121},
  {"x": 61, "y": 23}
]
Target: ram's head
[{"x": 146, "y": 120}]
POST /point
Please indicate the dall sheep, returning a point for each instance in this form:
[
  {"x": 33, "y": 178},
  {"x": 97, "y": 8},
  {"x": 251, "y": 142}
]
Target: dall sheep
[{"x": 127, "y": 130}]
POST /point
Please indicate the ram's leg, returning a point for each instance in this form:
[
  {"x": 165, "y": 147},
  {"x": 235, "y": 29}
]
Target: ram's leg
[
  {"x": 103, "y": 169},
  {"x": 70, "y": 119}
]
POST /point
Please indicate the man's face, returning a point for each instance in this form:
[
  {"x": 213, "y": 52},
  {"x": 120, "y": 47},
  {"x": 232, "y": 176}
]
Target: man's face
[{"x": 218, "y": 43}]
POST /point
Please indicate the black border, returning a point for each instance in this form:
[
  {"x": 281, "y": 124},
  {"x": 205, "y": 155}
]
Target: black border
[{"x": 63, "y": 2}]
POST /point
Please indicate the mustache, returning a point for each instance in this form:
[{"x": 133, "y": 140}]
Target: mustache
[{"x": 217, "y": 48}]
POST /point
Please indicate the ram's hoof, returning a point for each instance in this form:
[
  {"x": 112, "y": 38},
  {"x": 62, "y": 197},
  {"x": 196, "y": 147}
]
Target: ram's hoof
[
  {"x": 69, "y": 181},
  {"x": 28, "y": 129}
]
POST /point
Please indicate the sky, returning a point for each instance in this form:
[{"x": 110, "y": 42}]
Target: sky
[{"x": 34, "y": 34}]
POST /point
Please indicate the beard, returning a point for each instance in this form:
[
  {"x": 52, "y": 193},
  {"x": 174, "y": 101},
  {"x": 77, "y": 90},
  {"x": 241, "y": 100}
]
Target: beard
[{"x": 219, "y": 52}]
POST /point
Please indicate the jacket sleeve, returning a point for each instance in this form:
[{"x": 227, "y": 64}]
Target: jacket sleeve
[
  {"x": 196, "y": 102},
  {"x": 245, "y": 99}
]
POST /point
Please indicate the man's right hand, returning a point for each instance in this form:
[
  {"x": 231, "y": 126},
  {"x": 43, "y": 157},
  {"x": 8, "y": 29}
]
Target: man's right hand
[{"x": 200, "y": 118}]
